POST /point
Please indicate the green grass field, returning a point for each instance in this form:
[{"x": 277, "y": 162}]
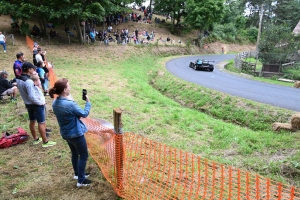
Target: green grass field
[{"x": 155, "y": 104}]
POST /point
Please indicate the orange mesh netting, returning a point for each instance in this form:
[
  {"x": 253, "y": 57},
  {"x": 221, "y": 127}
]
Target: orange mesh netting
[{"x": 140, "y": 168}]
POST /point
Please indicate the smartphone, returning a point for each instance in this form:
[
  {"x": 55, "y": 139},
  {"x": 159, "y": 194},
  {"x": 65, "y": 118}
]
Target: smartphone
[{"x": 84, "y": 93}]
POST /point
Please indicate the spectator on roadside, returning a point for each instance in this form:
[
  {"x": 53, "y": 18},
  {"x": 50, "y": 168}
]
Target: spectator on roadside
[
  {"x": 6, "y": 88},
  {"x": 72, "y": 129},
  {"x": 17, "y": 67},
  {"x": 34, "y": 105},
  {"x": 2, "y": 41},
  {"x": 92, "y": 36},
  {"x": 68, "y": 31},
  {"x": 35, "y": 31},
  {"x": 53, "y": 33}
]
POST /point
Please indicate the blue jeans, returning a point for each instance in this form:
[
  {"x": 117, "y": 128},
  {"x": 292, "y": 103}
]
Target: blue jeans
[
  {"x": 3, "y": 44},
  {"x": 79, "y": 156},
  {"x": 45, "y": 84}
]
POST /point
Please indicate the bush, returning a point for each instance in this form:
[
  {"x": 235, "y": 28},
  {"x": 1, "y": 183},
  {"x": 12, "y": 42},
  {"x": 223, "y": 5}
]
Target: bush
[{"x": 292, "y": 73}]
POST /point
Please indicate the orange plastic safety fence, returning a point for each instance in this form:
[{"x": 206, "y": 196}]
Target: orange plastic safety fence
[
  {"x": 140, "y": 168},
  {"x": 152, "y": 170}
]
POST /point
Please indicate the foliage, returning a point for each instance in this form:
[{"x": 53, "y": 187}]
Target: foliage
[
  {"x": 276, "y": 43},
  {"x": 292, "y": 72},
  {"x": 287, "y": 13},
  {"x": 24, "y": 28},
  {"x": 203, "y": 14},
  {"x": 68, "y": 11},
  {"x": 174, "y": 7}
]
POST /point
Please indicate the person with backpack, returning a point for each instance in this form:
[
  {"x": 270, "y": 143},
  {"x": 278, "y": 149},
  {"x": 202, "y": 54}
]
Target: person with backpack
[
  {"x": 35, "y": 106},
  {"x": 72, "y": 129}
]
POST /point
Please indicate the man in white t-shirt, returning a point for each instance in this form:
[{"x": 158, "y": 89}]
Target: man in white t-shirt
[
  {"x": 2, "y": 41},
  {"x": 38, "y": 56}
]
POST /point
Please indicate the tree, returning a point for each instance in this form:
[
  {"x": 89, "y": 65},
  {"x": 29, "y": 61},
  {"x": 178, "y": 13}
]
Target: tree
[
  {"x": 67, "y": 11},
  {"x": 287, "y": 12},
  {"x": 202, "y": 14},
  {"x": 277, "y": 43},
  {"x": 174, "y": 7}
]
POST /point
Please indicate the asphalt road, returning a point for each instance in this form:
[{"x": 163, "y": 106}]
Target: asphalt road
[{"x": 275, "y": 95}]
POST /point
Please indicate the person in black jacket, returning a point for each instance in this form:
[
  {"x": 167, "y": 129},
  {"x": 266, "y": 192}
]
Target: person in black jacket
[{"x": 6, "y": 88}]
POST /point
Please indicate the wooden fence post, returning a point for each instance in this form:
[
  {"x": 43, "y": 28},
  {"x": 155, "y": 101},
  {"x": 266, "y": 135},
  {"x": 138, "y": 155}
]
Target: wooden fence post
[{"x": 119, "y": 150}]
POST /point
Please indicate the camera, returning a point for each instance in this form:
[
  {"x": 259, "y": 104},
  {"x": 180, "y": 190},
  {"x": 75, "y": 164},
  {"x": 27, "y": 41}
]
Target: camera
[{"x": 84, "y": 93}]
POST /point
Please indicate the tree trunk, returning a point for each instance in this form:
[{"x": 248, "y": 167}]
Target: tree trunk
[
  {"x": 150, "y": 6},
  {"x": 173, "y": 20},
  {"x": 78, "y": 30},
  {"x": 178, "y": 19}
]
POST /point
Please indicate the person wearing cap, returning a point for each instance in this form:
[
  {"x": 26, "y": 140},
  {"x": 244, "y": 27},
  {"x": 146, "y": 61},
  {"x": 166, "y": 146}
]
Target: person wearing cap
[
  {"x": 2, "y": 41},
  {"x": 35, "y": 106},
  {"x": 17, "y": 67},
  {"x": 6, "y": 88}
]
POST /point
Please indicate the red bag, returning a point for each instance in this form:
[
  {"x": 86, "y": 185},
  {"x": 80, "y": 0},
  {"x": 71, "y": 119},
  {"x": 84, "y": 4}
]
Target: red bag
[{"x": 8, "y": 140}]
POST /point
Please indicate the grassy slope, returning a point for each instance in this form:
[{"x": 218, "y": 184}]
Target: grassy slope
[{"x": 127, "y": 80}]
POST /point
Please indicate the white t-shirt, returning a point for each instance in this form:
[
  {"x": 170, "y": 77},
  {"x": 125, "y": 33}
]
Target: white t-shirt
[
  {"x": 2, "y": 38},
  {"x": 39, "y": 58}
]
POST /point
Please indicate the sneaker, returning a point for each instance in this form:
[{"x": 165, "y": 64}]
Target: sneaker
[
  {"x": 48, "y": 144},
  {"x": 4, "y": 51},
  {"x": 85, "y": 183},
  {"x": 13, "y": 99},
  {"x": 46, "y": 94},
  {"x": 48, "y": 130},
  {"x": 37, "y": 141},
  {"x": 86, "y": 175}
]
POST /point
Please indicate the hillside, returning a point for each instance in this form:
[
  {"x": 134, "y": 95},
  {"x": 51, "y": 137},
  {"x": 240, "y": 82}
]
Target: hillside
[{"x": 32, "y": 172}]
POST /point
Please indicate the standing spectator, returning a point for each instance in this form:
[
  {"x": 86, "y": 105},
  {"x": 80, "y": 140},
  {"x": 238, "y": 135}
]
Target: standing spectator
[
  {"x": 72, "y": 129},
  {"x": 7, "y": 88},
  {"x": 39, "y": 58},
  {"x": 92, "y": 36},
  {"x": 34, "y": 104},
  {"x": 17, "y": 67},
  {"x": 222, "y": 50},
  {"x": 2, "y": 41},
  {"x": 41, "y": 73}
]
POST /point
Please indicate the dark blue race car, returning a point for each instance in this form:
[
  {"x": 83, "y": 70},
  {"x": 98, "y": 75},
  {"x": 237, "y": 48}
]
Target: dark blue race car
[{"x": 202, "y": 64}]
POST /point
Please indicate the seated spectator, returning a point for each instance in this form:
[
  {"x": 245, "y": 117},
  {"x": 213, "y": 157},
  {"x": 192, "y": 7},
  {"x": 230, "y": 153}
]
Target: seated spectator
[
  {"x": 68, "y": 31},
  {"x": 109, "y": 29},
  {"x": 6, "y": 88},
  {"x": 106, "y": 41},
  {"x": 35, "y": 31},
  {"x": 168, "y": 39},
  {"x": 110, "y": 39},
  {"x": 50, "y": 25},
  {"x": 15, "y": 26},
  {"x": 53, "y": 33}
]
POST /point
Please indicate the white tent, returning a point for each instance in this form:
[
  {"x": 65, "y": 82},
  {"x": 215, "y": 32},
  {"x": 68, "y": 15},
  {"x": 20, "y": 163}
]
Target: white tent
[{"x": 296, "y": 30}]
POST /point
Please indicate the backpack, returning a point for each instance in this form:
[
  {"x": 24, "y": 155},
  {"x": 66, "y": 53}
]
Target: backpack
[{"x": 8, "y": 140}]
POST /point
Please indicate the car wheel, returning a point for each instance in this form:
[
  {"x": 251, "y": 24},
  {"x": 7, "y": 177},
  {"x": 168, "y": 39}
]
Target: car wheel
[
  {"x": 195, "y": 67},
  {"x": 211, "y": 70},
  {"x": 191, "y": 65}
]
